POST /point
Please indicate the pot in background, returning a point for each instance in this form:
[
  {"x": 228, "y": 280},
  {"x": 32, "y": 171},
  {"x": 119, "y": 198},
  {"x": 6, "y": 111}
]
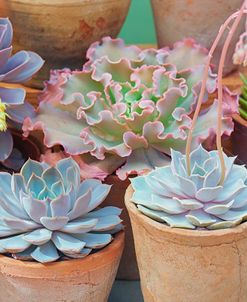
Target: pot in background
[
  {"x": 128, "y": 269},
  {"x": 89, "y": 279},
  {"x": 23, "y": 149},
  {"x": 239, "y": 139},
  {"x": 179, "y": 265},
  {"x": 61, "y": 31},
  {"x": 201, "y": 20}
]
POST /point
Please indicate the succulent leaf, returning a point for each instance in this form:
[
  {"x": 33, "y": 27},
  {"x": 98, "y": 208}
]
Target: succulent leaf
[
  {"x": 18, "y": 68},
  {"x": 47, "y": 213},
  {"x": 243, "y": 98},
  {"x": 129, "y": 104},
  {"x": 240, "y": 54}
]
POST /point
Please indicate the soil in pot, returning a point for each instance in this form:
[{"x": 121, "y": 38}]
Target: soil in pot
[
  {"x": 89, "y": 279},
  {"x": 23, "y": 149},
  {"x": 128, "y": 269},
  {"x": 179, "y": 265}
]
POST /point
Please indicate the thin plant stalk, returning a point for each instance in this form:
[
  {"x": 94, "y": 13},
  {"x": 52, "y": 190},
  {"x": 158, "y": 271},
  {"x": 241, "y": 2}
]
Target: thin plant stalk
[
  {"x": 204, "y": 82},
  {"x": 220, "y": 91}
]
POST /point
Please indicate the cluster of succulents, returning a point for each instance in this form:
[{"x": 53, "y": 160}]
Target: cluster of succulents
[
  {"x": 127, "y": 111},
  {"x": 243, "y": 98},
  {"x": 18, "y": 68},
  {"x": 195, "y": 201},
  {"x": 47, "y": 213},
  {"x": 124, "y": 111}
]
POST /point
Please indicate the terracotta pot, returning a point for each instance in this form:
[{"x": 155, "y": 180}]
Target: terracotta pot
[
  {"x": 201, "y": 20},
  {"x": 89, "y": 279},
  {"x": 179, "y": 265},
  {"x": 128, "y": 269},
  {"x": 61, "y": 31},
  {"x": 2, "y": 6},
  {"x": 239, "y": 139},
  {"x": 28, "y": 147}
]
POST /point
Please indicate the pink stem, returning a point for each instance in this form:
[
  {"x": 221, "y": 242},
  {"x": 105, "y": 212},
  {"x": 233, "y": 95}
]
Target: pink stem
[
  {"x": 220, "y": 91},
  {"x": 203, "y": 87}
]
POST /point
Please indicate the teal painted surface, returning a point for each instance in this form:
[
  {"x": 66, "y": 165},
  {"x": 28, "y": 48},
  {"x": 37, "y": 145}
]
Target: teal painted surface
[{"x": 139, "y": 26}]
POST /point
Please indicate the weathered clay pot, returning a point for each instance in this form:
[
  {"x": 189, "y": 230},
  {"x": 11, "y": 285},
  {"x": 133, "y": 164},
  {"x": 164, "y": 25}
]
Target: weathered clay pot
[
  {"x": 60, "y": 31},
  {"x": 2, "y": 6},
  {"x": 187, "y": 265},
  {"x": 89, "y": 279},
  {"x": 239, "y": 139},
  {"x": 128, "y": 269},
  {"x": 201, "y": 20}
]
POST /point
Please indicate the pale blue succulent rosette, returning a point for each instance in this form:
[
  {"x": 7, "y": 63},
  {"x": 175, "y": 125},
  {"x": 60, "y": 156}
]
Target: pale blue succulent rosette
[
  {"x": 16, "y": 68},
  {"x": 48, "y": 213},
  {"x": 170, "y": 196}
]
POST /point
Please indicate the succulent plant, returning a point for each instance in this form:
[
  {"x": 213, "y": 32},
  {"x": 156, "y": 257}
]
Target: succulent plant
[
  {"x": 13, "y": 69},
  {"x": 47, "y": 213},
  {"x": 243, "y": 98},
  {"x": 170, "y": 196},
  {"x": 129, "y": 106},
  {"x": 240, "y": 54}
]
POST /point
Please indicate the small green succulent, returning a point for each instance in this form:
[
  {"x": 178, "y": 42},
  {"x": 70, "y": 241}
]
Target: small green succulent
[{"x": 243, "y": 98}]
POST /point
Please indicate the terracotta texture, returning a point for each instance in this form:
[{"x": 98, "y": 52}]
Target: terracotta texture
[
  {"x": 128, "y": 269},
  {"x": 239, "y": 139},
  {"x": 200, "y": 20},
  {"x": 61, "y": 31},
  {"x": 89, "y": 279},
  {"x": 187, "y": 265},
  {"x": 2, "y": 6}
]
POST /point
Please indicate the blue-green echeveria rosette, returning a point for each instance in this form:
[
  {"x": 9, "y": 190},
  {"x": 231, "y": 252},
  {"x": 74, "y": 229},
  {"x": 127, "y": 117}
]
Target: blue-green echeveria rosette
[
  {"x": 170, "y": 196},
  {"x": 129, "y": 104},
  {"x": 17, "y": 68},
  {"x": 47, "y": 213}
]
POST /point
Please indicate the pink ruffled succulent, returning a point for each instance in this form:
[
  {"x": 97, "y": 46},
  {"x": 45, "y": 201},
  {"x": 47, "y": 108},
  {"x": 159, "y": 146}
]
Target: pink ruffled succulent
[{"x": 128, "y": 106}]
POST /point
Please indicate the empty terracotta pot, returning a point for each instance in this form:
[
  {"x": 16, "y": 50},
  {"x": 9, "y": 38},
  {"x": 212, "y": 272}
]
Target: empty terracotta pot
[
  {"x": 60, "y": 31},
  {"x": 179, "y": 265},
  {"x": 89, "y": 279},
  {"x": 201, "y": 20},
  {"x": 239, "y": 139},
  {"x": 128, "y": 269}
]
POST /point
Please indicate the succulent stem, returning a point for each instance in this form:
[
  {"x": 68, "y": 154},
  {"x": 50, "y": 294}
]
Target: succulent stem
[
  {"x": 237, "y": 16},
  {"x": 220, "y": 90}
]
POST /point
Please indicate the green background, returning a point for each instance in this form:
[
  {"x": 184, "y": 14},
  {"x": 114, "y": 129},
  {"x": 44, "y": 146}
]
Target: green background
[{"x": 139, "y": 26}]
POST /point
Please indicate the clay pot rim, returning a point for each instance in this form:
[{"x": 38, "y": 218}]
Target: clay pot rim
[
  {"x": 185, "y": 236},
  {"x": 63, "y": 269},
  {"x": 237, "y": 118}
]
